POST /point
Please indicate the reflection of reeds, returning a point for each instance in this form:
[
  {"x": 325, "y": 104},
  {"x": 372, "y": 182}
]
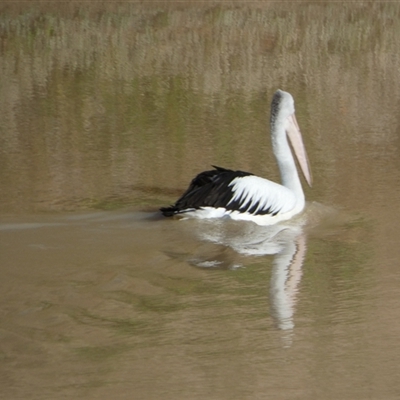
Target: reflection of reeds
[
  {"x": 140, "y": 91},
  {"x": 216, "y": 49}
]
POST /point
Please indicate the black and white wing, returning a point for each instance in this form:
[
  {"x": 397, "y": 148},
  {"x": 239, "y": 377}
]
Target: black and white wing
[{"x": 233, "y": 191}]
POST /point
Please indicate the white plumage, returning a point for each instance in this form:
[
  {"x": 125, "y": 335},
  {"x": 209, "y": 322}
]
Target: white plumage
[{"x": 253, "y": 191}]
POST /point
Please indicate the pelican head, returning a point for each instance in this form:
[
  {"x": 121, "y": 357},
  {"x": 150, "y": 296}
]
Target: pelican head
[{"x": 283, "y": 120}]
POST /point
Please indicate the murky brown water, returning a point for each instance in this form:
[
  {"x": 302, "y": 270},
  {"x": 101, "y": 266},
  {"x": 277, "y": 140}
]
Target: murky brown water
[{"x": 107, "y": 111}]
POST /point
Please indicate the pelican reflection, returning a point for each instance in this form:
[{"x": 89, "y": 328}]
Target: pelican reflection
[{"x": 286, "y": 242}]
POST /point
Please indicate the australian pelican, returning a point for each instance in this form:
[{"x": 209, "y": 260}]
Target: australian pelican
[{"x": 243, "y": 196}]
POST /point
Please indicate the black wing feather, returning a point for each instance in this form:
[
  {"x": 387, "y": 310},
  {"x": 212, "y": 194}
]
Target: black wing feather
[{"x": 208, "y": 189}]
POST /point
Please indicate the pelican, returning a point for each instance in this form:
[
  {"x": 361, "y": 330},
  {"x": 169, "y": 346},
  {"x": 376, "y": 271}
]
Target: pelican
[{"x": 241, "y": 195}]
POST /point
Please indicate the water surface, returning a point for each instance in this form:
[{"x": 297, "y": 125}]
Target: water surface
[{"x": 107, "y": 113}]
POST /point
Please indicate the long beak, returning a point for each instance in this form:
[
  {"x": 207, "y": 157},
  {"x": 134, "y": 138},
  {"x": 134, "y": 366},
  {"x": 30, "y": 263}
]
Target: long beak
[{"x": 294, "y": 134}]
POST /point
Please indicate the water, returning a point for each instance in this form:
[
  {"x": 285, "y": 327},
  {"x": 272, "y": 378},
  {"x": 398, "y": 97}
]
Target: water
[{"x": 107, "y": 113}]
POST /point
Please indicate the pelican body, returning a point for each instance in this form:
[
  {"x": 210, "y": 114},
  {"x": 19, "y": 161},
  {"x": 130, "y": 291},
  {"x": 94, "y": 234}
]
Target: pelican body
[{"x": 243, "y": 196}]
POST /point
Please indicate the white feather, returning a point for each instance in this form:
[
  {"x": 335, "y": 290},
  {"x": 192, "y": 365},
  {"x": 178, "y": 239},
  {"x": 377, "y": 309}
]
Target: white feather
[{"x": 253, "y": 189}]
